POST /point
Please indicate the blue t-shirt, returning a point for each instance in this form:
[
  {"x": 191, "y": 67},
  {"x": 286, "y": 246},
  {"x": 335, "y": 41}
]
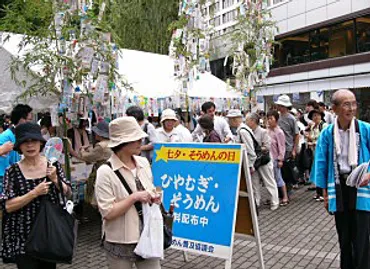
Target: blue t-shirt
[{"x": 11, "y": 157}]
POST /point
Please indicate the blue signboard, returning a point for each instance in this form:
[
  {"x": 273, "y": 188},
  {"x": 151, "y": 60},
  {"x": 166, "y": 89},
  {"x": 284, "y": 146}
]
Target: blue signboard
[{"x": 202, "y": 181}]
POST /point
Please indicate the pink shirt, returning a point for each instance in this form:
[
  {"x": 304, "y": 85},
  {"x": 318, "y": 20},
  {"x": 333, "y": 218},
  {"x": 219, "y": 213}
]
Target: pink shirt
[{"x": 277, "y": 143}]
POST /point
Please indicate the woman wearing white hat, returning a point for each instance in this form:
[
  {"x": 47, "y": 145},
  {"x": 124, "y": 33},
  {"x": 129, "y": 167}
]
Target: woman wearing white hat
[
  {"x": 122, "y": 222},
  {"x": 168, "y": 132}
]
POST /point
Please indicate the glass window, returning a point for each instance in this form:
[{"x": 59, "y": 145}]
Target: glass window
[
  {"x": 227, "y": 3},
  {"x": 293, "y": 50},
  {"x": 329, "y": 42},
  {"x": 319, "y": 44},
  {"x": 341, "y": 40},
  {"x": 363, "y": 34}
]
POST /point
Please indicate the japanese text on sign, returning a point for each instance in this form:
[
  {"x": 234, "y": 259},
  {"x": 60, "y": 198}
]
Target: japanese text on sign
[
  {"x": 193, "y": 245},
  {"x": 199, "y": 201},
  {"x": 201, "y": 155}
]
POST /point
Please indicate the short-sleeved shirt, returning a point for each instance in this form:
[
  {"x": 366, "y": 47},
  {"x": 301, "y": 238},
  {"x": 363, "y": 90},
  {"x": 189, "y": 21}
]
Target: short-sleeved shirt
[
  {"x": 18, "y": 224},
  {"x": 11, "y": 157},
  {"x": 149, "y": 129},
  {"x": 290, "y": 128}
]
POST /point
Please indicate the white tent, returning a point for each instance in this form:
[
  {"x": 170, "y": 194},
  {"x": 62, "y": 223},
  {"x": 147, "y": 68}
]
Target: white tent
[
  {"x": 9, "y": 90},
  {"x": 152, "y": 75},
  {"x": 149, "y": 74}
]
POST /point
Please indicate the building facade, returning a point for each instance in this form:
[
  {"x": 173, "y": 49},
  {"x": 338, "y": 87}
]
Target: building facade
[{"x": 324, "y": 45}]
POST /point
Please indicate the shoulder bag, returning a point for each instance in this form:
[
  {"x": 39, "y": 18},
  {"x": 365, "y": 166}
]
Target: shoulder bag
[
  {"x": 54, "y": 232},
  {"x": 263, "y": 157},
  {"x": 167, "y": 218}
]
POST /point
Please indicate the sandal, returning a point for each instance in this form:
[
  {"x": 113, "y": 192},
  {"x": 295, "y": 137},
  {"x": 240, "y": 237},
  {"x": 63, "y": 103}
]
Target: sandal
[{"x": 284, "y": 203}]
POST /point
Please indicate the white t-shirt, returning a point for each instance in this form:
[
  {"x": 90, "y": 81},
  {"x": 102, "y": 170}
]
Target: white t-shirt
[
  {"x": 184, "y": 133},
  {"x": 221, "y": 127},
  {"x": 163, "y": 136}
]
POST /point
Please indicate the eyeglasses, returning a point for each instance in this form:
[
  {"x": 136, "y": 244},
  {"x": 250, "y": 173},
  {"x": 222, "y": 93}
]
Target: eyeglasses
[{"x": 349, "y": 105}]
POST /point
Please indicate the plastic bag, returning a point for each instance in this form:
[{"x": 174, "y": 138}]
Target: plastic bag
[{"x": 150, "y": 245}]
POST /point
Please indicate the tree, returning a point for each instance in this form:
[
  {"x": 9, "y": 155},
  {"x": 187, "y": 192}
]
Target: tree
[
  {"x": 140, "y": 24},
  {"x": 143, "y": 24}
]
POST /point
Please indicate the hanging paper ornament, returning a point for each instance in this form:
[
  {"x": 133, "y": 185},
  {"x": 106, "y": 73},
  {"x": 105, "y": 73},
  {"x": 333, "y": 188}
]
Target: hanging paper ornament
[{"x": 101, "y": 88}]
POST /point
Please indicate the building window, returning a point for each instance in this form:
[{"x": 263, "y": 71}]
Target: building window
[
  {"x": 228, "y": 16},
  {"x": 363, "y": 34},
  {"x": 227, "y": 3},
  {"x": 328, "y": 42},
  {"x": 216, "y": 21},
  {"x": 293, "y": 50},
  {"x": 319, "y": 40},
  {"x": 341, "y": 40}
]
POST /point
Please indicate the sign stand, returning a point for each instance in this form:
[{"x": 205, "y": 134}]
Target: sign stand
[
  {"x": 250, "y": 195},
  {"x": 216, "y": 176}
]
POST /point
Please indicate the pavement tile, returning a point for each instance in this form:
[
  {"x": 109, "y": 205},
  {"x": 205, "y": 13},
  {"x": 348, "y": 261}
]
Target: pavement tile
[{"x": 300, "y": 236}]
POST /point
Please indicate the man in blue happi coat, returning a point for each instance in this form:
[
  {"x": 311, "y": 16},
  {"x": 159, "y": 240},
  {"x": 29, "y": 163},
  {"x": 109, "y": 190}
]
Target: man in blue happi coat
[{"x": 341, "y": 147}]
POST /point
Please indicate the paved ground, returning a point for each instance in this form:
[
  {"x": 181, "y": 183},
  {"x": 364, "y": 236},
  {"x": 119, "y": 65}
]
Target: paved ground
[{"x": 300, "y": 235}]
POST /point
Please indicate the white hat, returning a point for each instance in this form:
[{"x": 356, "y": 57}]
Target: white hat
[
  {"x": 168, "y": 114},
  {"x": 284, "y": 100},
  {"x": 234, "y": 113},
  {"x": 124, "y": 130}
]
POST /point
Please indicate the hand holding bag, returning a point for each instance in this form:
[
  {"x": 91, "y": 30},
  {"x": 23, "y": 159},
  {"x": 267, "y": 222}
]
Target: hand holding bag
[
  {"x": 52, "y": 237},
  {"x": 150, "y": 245}
]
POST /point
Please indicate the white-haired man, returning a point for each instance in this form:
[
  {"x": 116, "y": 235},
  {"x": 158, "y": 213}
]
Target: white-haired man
[{"x": 341, "y": 147}]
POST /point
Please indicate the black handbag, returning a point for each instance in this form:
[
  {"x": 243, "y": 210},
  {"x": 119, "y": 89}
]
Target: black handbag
[
  {"x": 167, "y": 228},
  {"x": 53, "y": 235},
  {"x": 167, "y": 218}
]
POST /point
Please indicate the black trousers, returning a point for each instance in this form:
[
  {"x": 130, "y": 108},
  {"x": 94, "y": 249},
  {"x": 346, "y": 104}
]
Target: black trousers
[
  {"x": 353, "y": 228},
  {"x": 28, "y": 262}
]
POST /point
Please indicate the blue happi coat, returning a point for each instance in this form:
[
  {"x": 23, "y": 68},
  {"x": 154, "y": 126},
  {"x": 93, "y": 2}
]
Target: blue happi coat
[{"x": 323, "y": 174}]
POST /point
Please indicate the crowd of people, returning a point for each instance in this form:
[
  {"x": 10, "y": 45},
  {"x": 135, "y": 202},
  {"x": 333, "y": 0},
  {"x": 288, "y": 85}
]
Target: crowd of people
[{"x": 285, "y": 147}]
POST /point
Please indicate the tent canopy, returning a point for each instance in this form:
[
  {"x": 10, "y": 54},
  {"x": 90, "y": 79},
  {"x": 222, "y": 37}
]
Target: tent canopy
[
  {"x": 152, "y": 75},
  {"x": 9, "y": 90}
]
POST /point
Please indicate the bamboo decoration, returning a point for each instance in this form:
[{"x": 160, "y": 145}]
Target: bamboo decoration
[
  {"x": 72, "y": 42},
  {"x": 252, "y": 50},
  {"x": 190, "y": 44}
]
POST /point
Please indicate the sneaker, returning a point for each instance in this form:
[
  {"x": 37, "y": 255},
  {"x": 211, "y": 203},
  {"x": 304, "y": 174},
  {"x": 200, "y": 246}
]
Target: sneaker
[
  {"x": 274, "y": 207},
  {"x": 321, "y": 199}
]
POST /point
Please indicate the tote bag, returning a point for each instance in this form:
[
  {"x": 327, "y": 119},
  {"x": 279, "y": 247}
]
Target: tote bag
[{"x": 53, "y": 236}]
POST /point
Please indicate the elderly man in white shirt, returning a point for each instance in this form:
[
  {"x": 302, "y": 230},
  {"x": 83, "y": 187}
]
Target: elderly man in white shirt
[
  {"x": 220, "y": 125},
  {"x": 264, "y": 172}
]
